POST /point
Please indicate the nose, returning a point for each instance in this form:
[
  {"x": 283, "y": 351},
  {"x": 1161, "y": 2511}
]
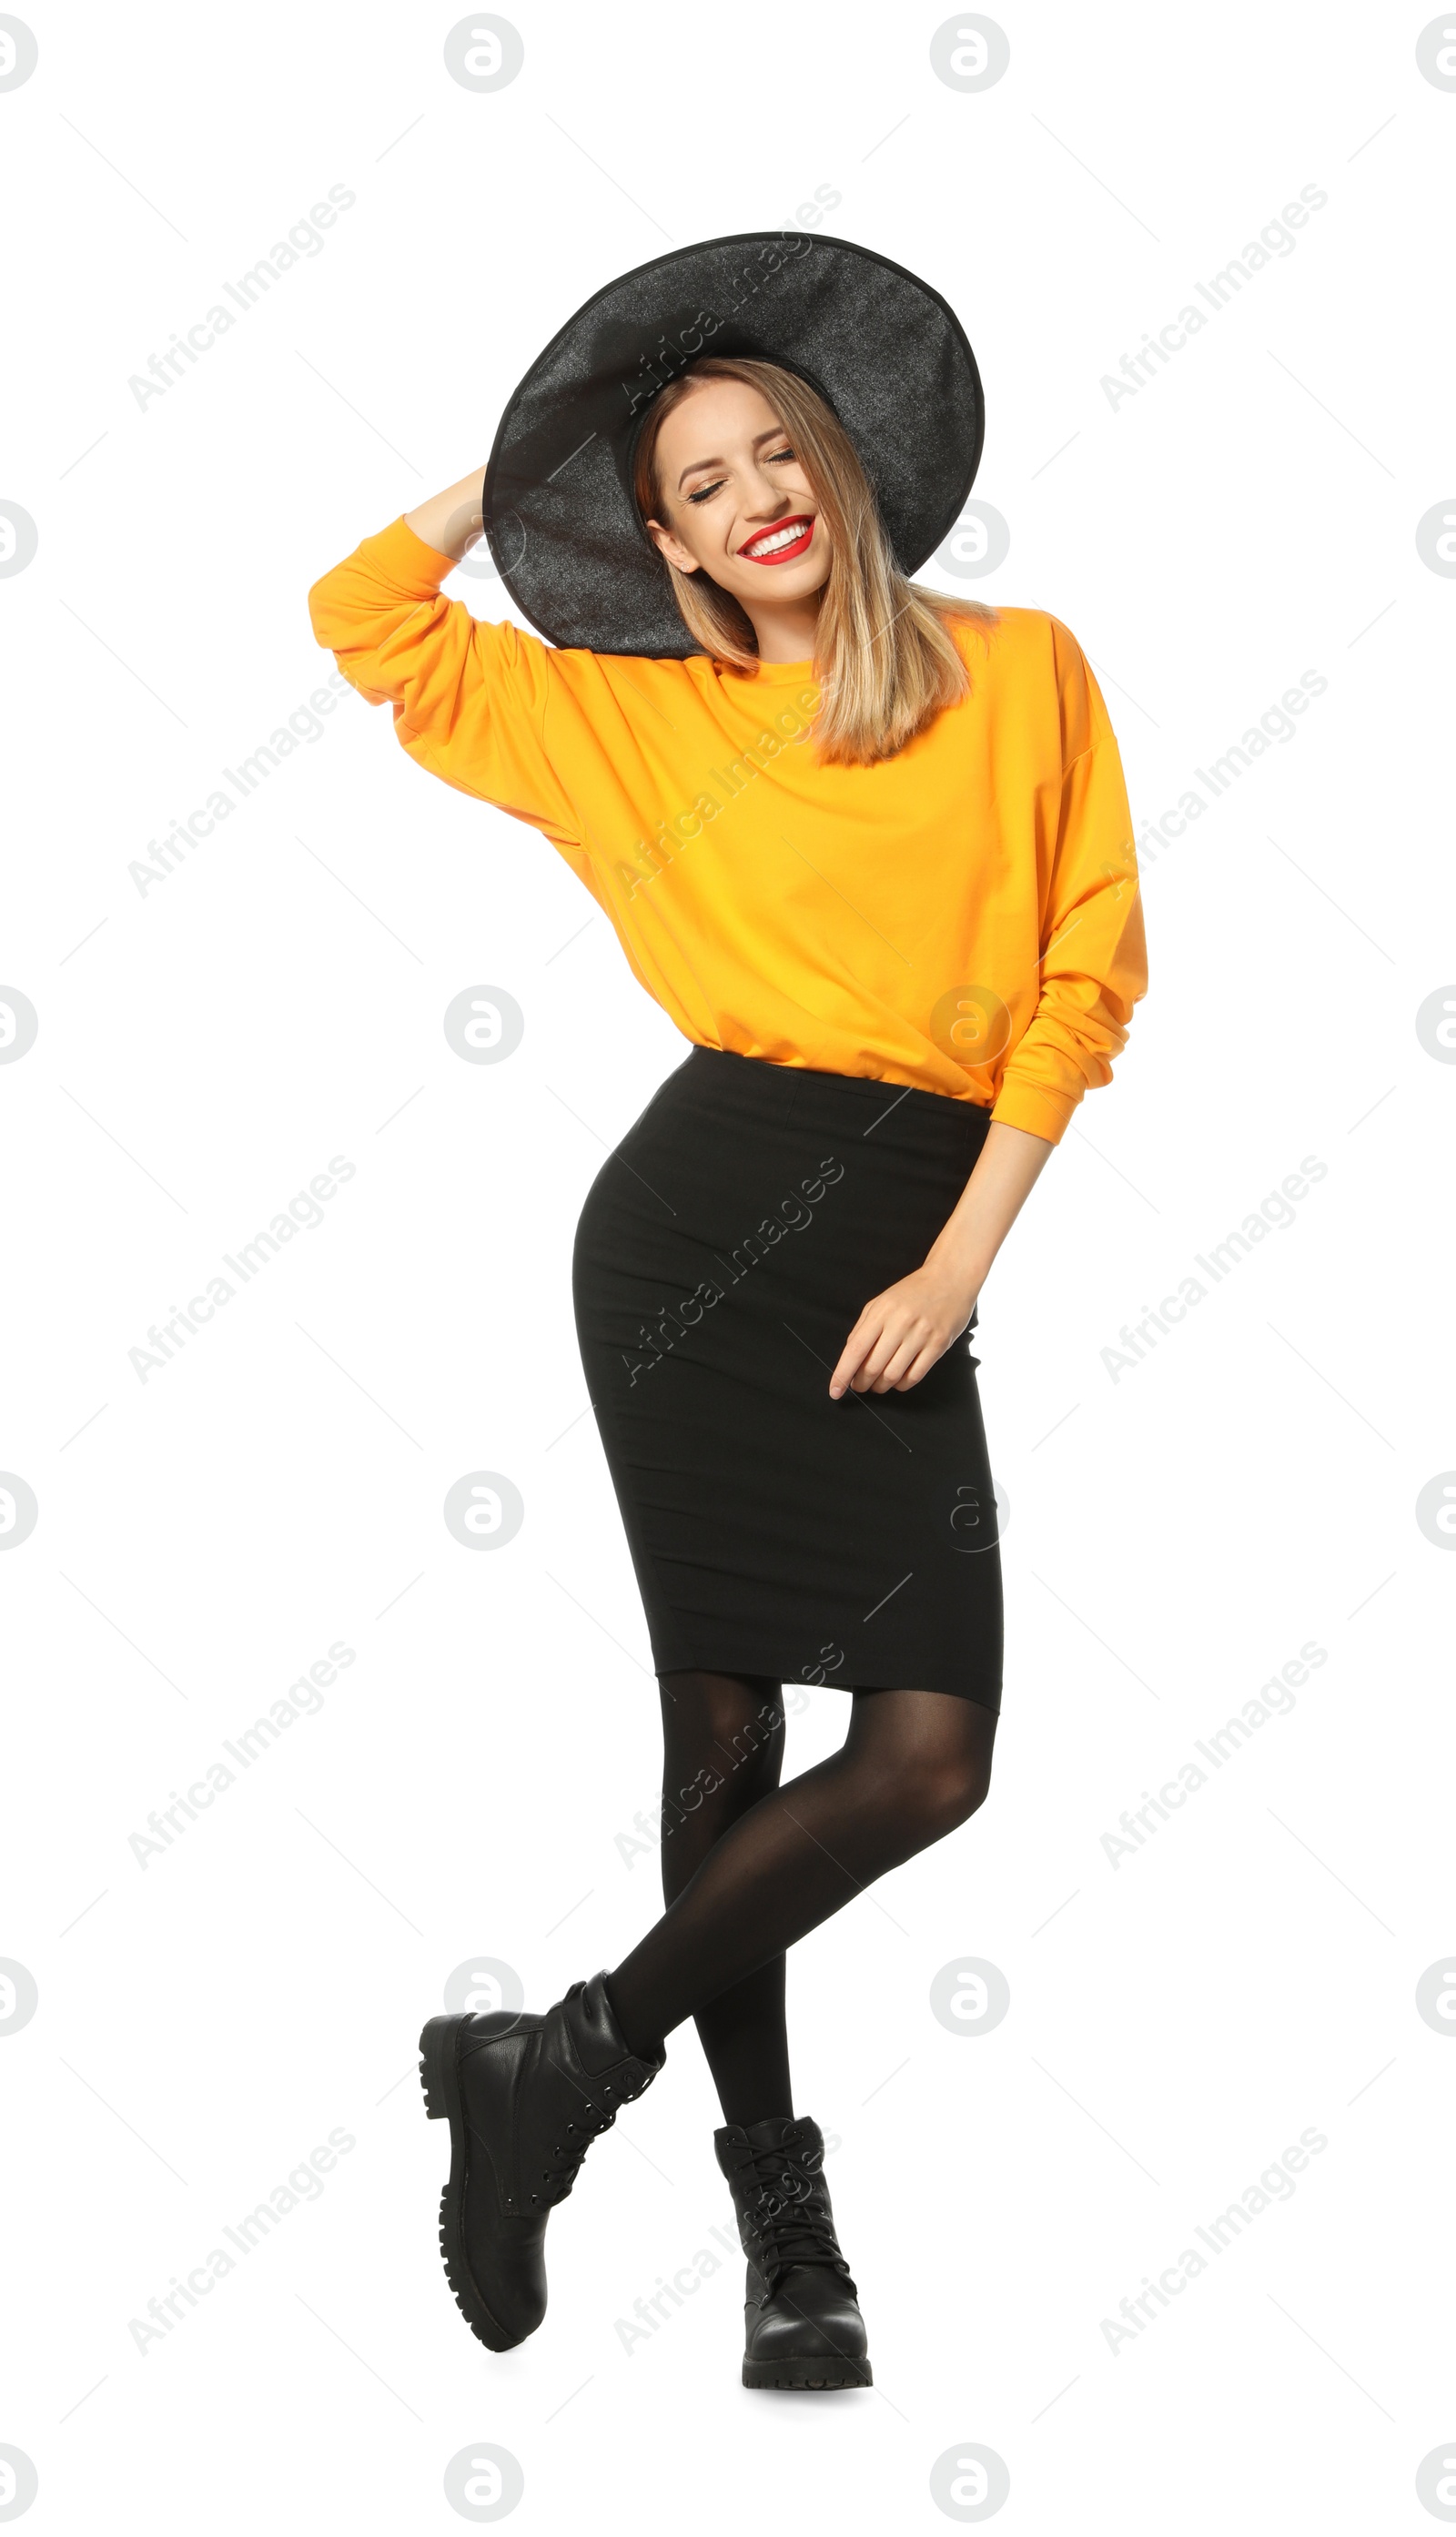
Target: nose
[{"x": 766, "y": 498}]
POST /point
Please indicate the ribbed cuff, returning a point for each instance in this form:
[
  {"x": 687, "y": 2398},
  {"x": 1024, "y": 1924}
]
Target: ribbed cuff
[
  {"x": 1042, "y": 1113},
  {"x": 405, "y": 561}
]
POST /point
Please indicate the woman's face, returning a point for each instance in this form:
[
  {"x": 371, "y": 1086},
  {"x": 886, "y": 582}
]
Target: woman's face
[{"x": 739, "y": 506}]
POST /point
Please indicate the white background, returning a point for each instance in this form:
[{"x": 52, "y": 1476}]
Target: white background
[{"x": 1175, "y": 1535}]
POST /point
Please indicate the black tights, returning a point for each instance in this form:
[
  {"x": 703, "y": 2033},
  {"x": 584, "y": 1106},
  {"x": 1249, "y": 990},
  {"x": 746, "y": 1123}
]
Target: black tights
[{"x": 748, "y": 1867}]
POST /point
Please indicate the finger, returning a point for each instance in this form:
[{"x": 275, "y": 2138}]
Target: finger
[
  {"x": 855, "y": 1349},
  {"x": 894, "y": 1338},
  {"x": 900, "y": 1362},
  {"x": 929, "y": 1355},
  {"x": 923, "y": 1348}
]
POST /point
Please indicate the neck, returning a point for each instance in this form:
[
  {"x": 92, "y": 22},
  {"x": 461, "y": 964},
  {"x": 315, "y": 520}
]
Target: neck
[{"x": 785, "y": 631}]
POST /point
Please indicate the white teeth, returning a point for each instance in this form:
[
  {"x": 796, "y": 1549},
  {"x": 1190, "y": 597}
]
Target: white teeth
[{"x": 780, "y": 537}]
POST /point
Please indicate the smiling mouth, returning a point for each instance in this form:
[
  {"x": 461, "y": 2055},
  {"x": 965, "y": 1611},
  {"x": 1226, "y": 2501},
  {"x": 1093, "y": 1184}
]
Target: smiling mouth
[{"x": 780, "y": 545}]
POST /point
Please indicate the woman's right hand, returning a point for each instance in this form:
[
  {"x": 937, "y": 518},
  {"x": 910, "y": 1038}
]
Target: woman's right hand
[{"x": 451, "y": 521}]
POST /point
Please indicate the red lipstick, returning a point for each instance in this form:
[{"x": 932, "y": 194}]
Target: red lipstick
[{"x": 789, "y": 550}]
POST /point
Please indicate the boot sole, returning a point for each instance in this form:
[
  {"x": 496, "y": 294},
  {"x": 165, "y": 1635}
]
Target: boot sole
[
  {"x": 808, "y": 2376},
  {"x": 439, "y": 2077}
]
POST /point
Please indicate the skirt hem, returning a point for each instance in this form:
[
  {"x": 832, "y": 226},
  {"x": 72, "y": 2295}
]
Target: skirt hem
[{"x": 985, "y": 1698}]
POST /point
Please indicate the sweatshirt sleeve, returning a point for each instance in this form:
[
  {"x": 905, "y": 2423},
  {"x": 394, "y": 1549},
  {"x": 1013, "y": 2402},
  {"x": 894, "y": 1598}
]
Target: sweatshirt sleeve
[
  {"x": 469, "y": 699},
  {"x": 1093, "y": 958}
]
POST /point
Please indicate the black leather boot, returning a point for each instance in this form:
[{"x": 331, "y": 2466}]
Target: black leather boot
[
  {"x": 525, "y": 2097},
  {"x": 801, "y": 2325}
]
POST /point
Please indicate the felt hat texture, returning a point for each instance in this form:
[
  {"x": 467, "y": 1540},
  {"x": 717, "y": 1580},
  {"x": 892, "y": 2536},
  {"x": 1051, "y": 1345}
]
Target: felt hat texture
[{"x": 887, "y": 352}]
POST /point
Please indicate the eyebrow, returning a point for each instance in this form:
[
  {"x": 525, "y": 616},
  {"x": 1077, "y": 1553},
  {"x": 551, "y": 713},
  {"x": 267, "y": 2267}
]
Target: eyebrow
[{"x": 779, "y": 432}]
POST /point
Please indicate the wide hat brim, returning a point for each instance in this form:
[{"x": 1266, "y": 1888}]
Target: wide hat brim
[{"x": 886, "y": 350}]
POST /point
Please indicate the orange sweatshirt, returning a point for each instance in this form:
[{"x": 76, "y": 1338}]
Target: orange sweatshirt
[{"x": 965, "y": 916}]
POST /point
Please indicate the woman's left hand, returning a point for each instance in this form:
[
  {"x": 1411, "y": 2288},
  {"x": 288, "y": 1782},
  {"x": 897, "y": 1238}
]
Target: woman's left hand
[{"x": 900, "y": 1334}]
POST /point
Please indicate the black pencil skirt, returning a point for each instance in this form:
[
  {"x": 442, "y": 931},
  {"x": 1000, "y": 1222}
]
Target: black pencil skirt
[{"x": 723, "y": 1254}]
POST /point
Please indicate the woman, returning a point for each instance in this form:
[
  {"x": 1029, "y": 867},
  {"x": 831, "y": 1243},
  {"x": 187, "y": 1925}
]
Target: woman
[{"x": 870, "y": 848}]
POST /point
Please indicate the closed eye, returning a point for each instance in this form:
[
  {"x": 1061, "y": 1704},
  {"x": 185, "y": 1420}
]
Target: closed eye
[{"x": 705, "y": 493}]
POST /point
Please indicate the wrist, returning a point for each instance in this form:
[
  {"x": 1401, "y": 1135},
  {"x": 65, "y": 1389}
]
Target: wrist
[{"x": 962, "y": 1259}]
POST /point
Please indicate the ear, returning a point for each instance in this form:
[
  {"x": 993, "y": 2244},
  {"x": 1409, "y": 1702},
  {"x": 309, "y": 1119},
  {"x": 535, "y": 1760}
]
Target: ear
[{"x": 672, "y": 548}]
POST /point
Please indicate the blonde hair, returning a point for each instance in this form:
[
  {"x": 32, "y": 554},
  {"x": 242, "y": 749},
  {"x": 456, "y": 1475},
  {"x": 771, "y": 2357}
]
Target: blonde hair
[{"x": 884, "y": 656}]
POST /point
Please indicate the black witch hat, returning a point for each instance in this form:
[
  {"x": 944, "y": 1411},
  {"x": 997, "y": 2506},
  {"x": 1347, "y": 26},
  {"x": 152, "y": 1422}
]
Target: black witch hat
[{"x": 884, "y": 350}]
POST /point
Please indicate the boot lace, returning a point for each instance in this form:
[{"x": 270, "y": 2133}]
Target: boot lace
[
  {"x": 786, "y": 2217},
  {"x": 596, "y": 2115}
]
